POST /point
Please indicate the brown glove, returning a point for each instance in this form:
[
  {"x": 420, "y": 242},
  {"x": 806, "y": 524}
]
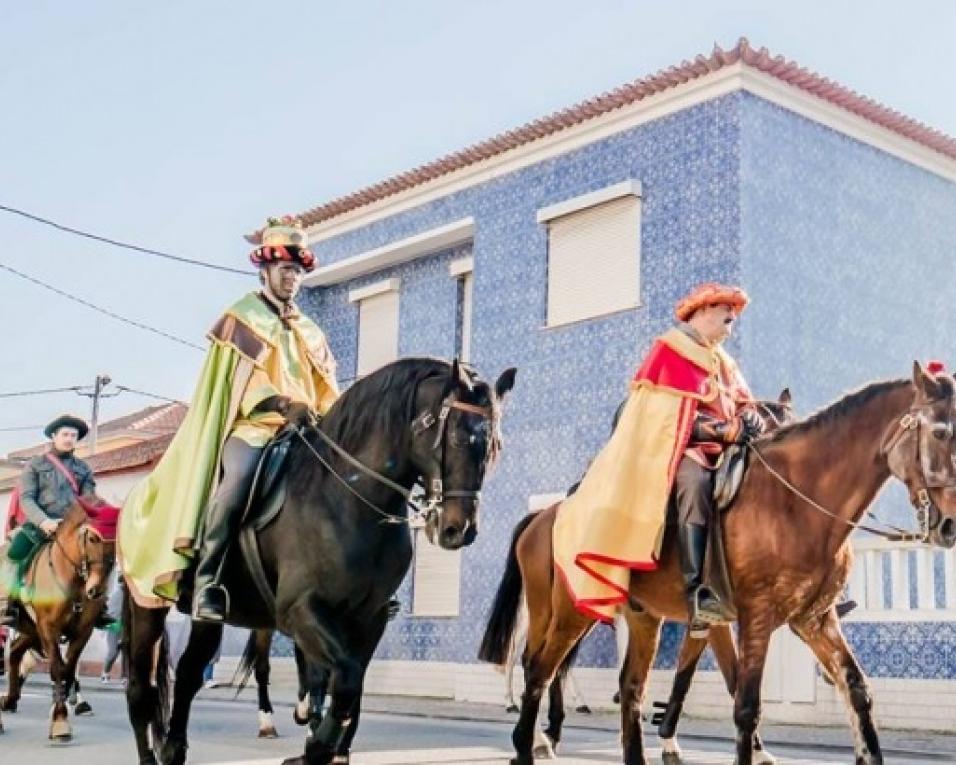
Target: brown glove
[{"x": 299, "y": 415}]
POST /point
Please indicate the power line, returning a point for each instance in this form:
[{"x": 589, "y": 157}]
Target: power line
[
  {"x": 104, "y": 311},
  {"x": 22, "y": 427},
  {"x": 124, "y": 245},
  {"x": 40, "y": 392},
  {"x": 150, "y": 395}
]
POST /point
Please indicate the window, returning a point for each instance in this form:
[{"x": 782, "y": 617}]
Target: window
[
  {"x": 461, "y": 270},
  {"x": 436, "y": 580},
  {"x": 594, "y": 254},
  {"x": 378, "y": 325}
]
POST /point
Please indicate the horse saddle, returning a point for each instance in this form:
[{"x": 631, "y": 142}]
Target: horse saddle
[
  {"x": 266, "y": 497},
  {"x": 267, "y": 492},
  {"x": 728, "y": 477},
  {"x": 727, "y": 480}
]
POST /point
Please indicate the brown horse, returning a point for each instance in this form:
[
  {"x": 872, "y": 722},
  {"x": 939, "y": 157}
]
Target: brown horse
[
  {"x": 787, "y": 542},
  {"x": 775, "y": 415},
  {"x": 64, "y": 588}
]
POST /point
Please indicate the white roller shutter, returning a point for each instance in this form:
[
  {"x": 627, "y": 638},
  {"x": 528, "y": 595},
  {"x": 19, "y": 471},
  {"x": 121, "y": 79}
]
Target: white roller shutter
[
  {"x": 594, "y": 259},
  {"x": 466, "y": 315},
  {"x": 437, "y": 579},
  {"x": 378, "y": 331}
]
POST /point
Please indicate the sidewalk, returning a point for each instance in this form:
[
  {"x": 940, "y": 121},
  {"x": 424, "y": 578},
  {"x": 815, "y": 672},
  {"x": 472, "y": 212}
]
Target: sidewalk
[{"x": 895, "y": 742}]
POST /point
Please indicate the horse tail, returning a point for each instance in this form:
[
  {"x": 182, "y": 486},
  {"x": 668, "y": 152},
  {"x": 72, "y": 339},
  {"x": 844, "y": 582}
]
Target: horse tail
[
  {"x": 500, "y": 628},
  {"x": 247, "y": 663}
]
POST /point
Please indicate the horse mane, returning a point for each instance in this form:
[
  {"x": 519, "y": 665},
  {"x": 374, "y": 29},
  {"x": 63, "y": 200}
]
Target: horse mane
[
  {"x": 836, "y": 411},
  {"x": 382, "y": 402}
]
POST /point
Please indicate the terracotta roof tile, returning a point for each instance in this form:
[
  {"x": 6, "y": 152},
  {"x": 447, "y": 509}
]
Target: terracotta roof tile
[
  {"x": 775, "y": 66},
  {"x": 146, "y": 423},
  {"x": 134, "y": 455}
]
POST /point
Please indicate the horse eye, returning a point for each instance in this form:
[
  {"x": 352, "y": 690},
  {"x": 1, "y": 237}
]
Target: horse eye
[{"x": 943, "y": 432}]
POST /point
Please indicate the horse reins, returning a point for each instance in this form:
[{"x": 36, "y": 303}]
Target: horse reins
[
  {"x": 435, "y": 490},
  {"x": 909, "y": 421}
]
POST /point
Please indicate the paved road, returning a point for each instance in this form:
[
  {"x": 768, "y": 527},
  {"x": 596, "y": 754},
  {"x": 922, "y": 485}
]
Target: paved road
[{"x": 223, "y": 733}]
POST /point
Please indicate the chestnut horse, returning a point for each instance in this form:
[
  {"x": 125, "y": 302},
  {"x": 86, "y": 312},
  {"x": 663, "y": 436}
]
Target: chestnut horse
[
  {"x": 787, "y": 543},
  {"x": 64, "y": 589},
  {"x": 775, "y": 415}
]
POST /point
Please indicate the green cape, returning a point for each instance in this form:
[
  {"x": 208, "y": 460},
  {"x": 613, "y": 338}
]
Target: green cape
[{"x": 162, "y": 515}]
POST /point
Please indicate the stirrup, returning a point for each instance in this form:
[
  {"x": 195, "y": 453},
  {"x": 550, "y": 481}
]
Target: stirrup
[
  {"x": 198, "y": 596},
  {"x": 707, "y": 616}
]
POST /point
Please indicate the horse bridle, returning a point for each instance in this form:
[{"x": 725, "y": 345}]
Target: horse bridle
[
  {"x": 913, "y": 422},
  {"x": 435, "y": 493},
  {"x": 83, "y": 569},
  {"x": 434, "y": 486},
  {"x": 923, "y": 504}
]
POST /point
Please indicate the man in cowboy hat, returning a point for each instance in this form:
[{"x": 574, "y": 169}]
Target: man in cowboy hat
[
  {"x": 267, "y": 365},
  {"x": 686, "y": 406},
  {"x": 46, "y": 494}
]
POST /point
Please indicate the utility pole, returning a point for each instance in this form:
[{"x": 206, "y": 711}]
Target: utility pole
[{"x": 101, "y": 382}]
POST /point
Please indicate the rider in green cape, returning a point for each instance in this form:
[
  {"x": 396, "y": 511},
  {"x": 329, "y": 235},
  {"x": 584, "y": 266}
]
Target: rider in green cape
[{"x": 267, "y": 365}]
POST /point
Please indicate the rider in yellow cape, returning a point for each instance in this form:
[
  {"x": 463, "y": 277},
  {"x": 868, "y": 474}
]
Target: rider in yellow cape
[
  {"x": 687, "y": 404},
  {"x": 267, "y": 364}
]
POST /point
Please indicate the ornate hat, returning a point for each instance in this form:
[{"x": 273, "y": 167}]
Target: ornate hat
[
  {"x": 281, "y": 239},
  {"x": 711, "y": 293},
  {"x": 67, "y": 421}
]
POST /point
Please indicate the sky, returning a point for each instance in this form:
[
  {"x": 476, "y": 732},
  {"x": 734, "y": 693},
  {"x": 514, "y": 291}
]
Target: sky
[{"x": 180, "y": 126}]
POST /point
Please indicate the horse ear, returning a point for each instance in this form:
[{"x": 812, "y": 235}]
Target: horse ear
[
  {"x": 926, "y": 384},
  {"x": 505, "y": 382},
  {"x": 458, "y": 378},
  {"x": 785, "y": 398}
]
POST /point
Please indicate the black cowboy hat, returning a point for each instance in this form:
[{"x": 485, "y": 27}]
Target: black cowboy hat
[{"x": 66, "y": 421}]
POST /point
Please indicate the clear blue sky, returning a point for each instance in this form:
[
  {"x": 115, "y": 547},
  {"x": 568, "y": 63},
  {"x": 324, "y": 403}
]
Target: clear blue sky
[{"x": 181, "y": 125}]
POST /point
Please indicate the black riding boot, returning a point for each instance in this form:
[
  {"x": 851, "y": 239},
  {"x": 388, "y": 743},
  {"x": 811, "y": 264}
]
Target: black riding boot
[
  {"x": 211, "y": 600},
  {"x": 703, "y": 607},
  {"x": 239, "y": 461}
]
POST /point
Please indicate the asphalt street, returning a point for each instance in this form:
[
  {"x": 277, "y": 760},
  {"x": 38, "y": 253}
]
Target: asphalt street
[{"x": 224, "y": 732}]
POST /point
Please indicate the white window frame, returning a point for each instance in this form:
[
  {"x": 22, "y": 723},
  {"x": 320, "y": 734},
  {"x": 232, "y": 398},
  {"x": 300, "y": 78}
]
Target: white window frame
[
  {"x": 423, "y": 600},
  {"x": 359, "y": 296},
  {"x": 553, "y": 213},
  {"x": 462, "y": 270}
]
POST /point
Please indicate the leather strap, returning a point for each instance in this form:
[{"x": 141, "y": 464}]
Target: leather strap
[{"x": 67, "y": 474}]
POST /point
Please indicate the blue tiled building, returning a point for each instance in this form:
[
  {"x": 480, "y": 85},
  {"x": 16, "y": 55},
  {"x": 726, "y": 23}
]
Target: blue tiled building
[{"x": 561, "y": 248}]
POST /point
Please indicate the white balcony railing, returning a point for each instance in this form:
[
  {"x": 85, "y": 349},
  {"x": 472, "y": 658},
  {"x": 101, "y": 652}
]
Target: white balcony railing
[{"x": 885, "y": 575}]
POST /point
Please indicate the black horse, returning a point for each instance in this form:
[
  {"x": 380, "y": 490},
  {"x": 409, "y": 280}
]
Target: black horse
[{"x": 341, "y": 545}]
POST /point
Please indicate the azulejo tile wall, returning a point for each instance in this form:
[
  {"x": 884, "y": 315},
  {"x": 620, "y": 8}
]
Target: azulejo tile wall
[{"x": 716, "y": 188}]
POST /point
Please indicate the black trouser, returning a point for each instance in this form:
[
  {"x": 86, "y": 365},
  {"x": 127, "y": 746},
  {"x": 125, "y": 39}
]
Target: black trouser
[
  {"x": 694, "y": 493},
  {"x": 238, "y": 468}
]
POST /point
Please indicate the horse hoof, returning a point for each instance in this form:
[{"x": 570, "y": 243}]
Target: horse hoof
[
  {"x": 83, "y": 708},
  {"x": 512, "y": 709},
  {"x": 60, "y": 731},
  {"x": 8, "y": 705},
  {"x": 763, "y": 757},
  {"x": 544, "y": 746},
  {"x": 584, "y": 709},
  {"x": 268, "y": 733}
]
